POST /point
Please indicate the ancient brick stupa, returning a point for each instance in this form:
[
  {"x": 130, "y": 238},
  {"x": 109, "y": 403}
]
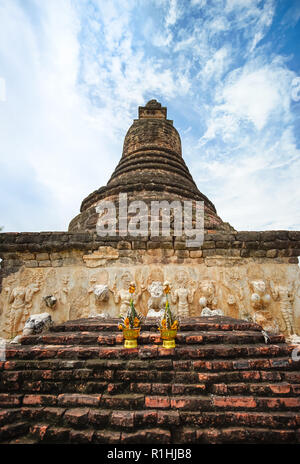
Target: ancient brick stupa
[
  {"x": 151, "y": 167},
  {"x": 65, "y": 375}
]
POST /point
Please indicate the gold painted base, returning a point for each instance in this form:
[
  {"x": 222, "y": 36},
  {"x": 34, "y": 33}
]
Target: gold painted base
[
  {"x": 130, "y": 344},
  {"x": 169, "y": 343}
]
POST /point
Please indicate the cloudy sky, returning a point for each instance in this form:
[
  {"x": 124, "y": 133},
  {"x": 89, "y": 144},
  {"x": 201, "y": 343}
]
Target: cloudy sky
[{"x": 73, "y": 72}]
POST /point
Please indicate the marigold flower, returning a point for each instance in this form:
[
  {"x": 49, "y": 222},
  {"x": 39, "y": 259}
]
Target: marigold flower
[
  {"x": 164, "y": 324},
  {"x": 120, "y": 327},
  {"x": 127, "y": 323},
  {"x": 167, "y": 289},
  {"x": 136, "y": 322},
  {"x": 174, "y": 325},
  {"x": 131, "y": 288}
]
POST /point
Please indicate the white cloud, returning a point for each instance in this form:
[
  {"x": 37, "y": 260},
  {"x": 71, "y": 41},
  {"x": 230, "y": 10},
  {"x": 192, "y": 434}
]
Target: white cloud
[
  {"x": 253, "y": 94},
  {"x": 173, "y": 13},
  {"x": 216, "y": 65},
  {"x": 76, "y": 72}
]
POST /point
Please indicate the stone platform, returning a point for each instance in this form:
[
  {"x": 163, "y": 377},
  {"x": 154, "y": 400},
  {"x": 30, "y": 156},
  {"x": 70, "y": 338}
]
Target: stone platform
[{"x": 221, "y": 384}]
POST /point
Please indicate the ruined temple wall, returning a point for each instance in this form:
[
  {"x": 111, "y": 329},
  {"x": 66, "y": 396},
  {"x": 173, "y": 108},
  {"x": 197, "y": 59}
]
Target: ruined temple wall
[{"x": 68, "y": 266}]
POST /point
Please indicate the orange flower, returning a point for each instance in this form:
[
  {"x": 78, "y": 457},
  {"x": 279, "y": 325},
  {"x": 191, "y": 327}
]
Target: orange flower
[
  {"x": 167, "y": 289},
  {"x": 131, "y": 288},
  {"x": 164, "y": 324},
  {"x": 136, "y": 322},
  {"x": 120, "y": 327},
  {"x": 174, "y": 325},
  {"x": 126, "y": 322}
]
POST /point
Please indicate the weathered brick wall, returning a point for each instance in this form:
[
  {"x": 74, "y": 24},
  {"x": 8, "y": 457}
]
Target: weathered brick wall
[
  {"x": 63, "y": 248},
  {"x": 145, "y": 134}
]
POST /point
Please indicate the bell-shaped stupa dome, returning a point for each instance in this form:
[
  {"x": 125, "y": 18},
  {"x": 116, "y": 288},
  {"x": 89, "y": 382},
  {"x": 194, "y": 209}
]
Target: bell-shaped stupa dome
[{"x": 151, "y": 168}]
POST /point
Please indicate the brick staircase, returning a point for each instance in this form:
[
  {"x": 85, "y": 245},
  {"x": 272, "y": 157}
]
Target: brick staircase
[{"x": 221, "y": 384}]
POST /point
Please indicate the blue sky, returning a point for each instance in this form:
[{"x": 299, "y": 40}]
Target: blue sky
[{"x": 73, "y": 72}]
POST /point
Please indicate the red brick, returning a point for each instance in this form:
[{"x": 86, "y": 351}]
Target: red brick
[
  {"x": 220, "y": 389},
  {"x": 147, "y": 352},
  {"x": 198, "y": 365},
  {"x": 157, "y": 402},
  {"x": 168, "y": 418},
  {"x": 36, "y": 400},
  {"x": 57, "y": 435},
  {"x": 9, "y": 415},
  {"x": 259, "y": 364},
  {"x": 106, "y": 340},
  {"x": 234, "y": 402},
  {"x": 194, "y": 339},
  {"x": 151, "y": 436},
  {"x": 122, "y": 419},
  {"x": 8, "y": 400},
  {"x": 141, "y": 387},
  {"x": 270, "y": 376},
  {"x": 81, "y": 436},
  {"x": 167, "y": 352},
  {"x": 296, "y": 389},
  {"x": 77, "y": 417},
  {"x": 145, "y": 417},
  {"x": 160, "y": 388},
  {"x": 190, "y": 403},
  {"x": 185, "y": 435},
  {"x": 99, "y": 417},
  {"x": 280, "y": 389},
  {"x": 77, "y": 399},
  {"x": 52, "y": 414},
  {"x": 108, "y": 437},
  {"x": 126, "y": 401},
  {"x": 182, "y": 389}
]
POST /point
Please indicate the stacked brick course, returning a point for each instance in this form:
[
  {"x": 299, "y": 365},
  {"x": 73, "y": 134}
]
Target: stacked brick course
[{"x": 221, "y": 384}]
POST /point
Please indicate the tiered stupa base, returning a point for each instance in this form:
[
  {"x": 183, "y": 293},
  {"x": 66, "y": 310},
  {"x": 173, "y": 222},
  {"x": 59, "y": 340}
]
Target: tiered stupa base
[{"x": 221, "y": 384}]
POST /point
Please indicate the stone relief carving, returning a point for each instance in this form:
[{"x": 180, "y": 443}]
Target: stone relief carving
[
  {"x": 206, "y": 312},
  {"x": 208, "y": 294},
  {"x": 98, "y": 293},
  {"x": 37, "y": 323},
  {"x": 285, "y": 295},
  {"x": 264, "y": 294},
  {"x": 260, "y": 301},
  {"x": 183, "y": 293},
  {"x": 20, "y": 303},
  {"x": 62, "y": 295},
  {"x": 157, "y": 300},
  {"x": 50, "y": 301},
  {"x": 233, "y": 283},
  {"x": 122, "y": 296}
]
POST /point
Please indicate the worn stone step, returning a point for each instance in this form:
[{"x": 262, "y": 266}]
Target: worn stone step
[
  {"x": 10, "y": 431},
  {"x": 84, "y": 417},
  {"x": 144, "y": 381},
  {"x": 7, "y": 416},
  {"x": 270, "y": 369},
  {"x": 141, "y": 401},
  {"x": 182, "y": 435},
  {"x": 266, "y": 419},
  {"x": 145, "y": 351},
  {"x": 46, "y": 433},
  {"x": 258, "y": 389},
  {"x": 216, "y": 323},
  {"x": 235, "y": 435},
  {"x": 147, "y": 337},
  {"x": 221, "y": 384}
]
